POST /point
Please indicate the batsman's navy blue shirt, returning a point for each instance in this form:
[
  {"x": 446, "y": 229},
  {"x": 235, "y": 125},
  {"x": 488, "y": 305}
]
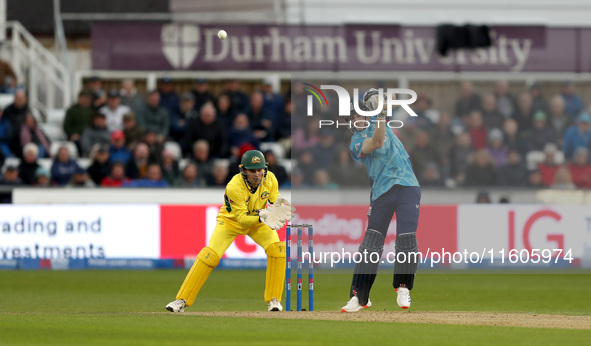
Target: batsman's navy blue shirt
[{"x": 386, "y": 166}]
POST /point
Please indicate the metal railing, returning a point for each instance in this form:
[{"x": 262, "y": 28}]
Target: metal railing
[{"x": 48, "y": 81}]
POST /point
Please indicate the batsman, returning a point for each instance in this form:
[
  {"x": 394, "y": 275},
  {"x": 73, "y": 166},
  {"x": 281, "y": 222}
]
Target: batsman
[
  {"x": 253, "y": 207},
  {"x": 394, "y": 189}
]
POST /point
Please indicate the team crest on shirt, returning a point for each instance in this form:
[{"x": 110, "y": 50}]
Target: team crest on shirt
[
  {"x": 265, "y": 195},
  {"x": 256, "y": 159}
]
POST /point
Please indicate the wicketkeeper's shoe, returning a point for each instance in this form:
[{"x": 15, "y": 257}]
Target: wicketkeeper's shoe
[
  {"x": 275, "y": 305},
  {"x": 403, "y": 298},
  {"x": 354, "y": 306},
  {"x": 177, "y": 306}
]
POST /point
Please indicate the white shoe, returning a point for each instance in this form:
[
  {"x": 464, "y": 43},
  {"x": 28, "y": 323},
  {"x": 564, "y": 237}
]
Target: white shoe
[
  {"x": 354, "y": 306},
  {"x": 177, "y": 306},
  {"x": 275, "y": 305},
  {"x": 403, "y": 299}
]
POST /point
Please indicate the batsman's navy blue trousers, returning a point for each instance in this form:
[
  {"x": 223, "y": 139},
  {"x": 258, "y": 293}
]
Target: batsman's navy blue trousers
[{"x": 402, "y": 200}]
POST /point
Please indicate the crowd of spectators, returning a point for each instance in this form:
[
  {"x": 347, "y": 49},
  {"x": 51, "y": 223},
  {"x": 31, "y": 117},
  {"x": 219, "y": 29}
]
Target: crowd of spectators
[
  {"x": 491, "y": 139},
  {"x": 494, "y": 139},
  {"x": 129, "y": 137}
]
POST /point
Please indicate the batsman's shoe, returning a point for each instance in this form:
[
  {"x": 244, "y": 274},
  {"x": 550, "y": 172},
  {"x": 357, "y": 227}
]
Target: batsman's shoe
[
  {"x": 275, "y": 305},
  {"x": 176, "y": 306},
  {"x": 354, "y": 306},
  {"x": 403, "y": 298}
]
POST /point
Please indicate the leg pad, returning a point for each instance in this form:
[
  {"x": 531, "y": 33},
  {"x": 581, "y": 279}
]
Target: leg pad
[
  {"x": 206, "y": 261},
  {"x": 275, "y": 271}
]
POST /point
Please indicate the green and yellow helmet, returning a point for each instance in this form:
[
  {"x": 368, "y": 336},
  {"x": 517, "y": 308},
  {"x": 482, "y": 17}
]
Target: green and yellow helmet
[{"x": 252, "y": 159}]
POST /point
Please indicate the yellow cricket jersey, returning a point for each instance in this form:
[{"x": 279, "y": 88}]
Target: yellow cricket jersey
[{"x": 241, "y": 206}]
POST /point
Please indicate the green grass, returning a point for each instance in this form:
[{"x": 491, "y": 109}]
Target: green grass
[{"x": 109, "y": 307}]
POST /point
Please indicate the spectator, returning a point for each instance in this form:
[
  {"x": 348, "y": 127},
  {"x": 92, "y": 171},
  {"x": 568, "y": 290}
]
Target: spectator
[
  {"x": 206, "y": 127},
  {"x": 306, "y": 138},
  {"x": 296, "y": 180},
  {"x": 190, "y": 178},
  {"x": 549, "y": 166},
  {"x": 100, "y": 166},
  {"x": 233, "y": 166},
  {"x": 282, "y": 125},
  {"x": 16, "y": 114},
  {"x": 130, "y": 97},
  {"x": 422, "y": 153},
  {"x": 273, "y": 102},
  {"x": 240, "y": 133},
  {"x": 577, "y": 136},
  {"x": 563, "y": 180},
  {"x": 155, "y": 147},
  {"x": 491, "y": 117},
  {"x": 514, "y": 172},
  {"x": 78, "y": 118},
  {"x": 483, "y": 197},
  {"x": 496, "y": 147},
  {"x": 152, "y": 179},
  {"x": 99, "y": 96},
  {"x": 580, "y": 169},
  {"x": 136, "y": 166},
  {"x": 469, "y": 101},
  {"x": 170, "y": 167},
  {"x": 63, "y": 167},
  {"x": 202, "y": 159},
  {"x": 2, "y": 159},
  {"x": 238, "y": 99},
  {"x": 276, "y": 168},
  {"x": 131, "y": 131},
  {"x": 535, "y": 179},
  {"x": 29, "y": 165},
  {"x": 224, "y": 111},
  {"x": 5, "y": 136},
  {"x": 201, "y": 93},
  {"x": 307, "y": 166},
  {"x": 558, "y": 119},
  {"x": 538, "y": 101},
  {"x": 513, "y": 139},
  {"x": 459, "y": 155},
  {"x": 426, "y": 115},
  {"x": 117, "y": 176},
  {"x": 155, "y": 117},
  {"x": 444, "y": 139},
  {"x": 573, "y": 104},
  {"x": 80, "y": 178},
  {"x": 178, "y": 121},
  {"x": 524, "y": 113},
  {"x": 219, "y": 176},
  {"x": 169, "y": 99},
  {"x": 114, "y": 111},
  {"x": 261, "y": 122},
  {"x": 481, "y": 169},
  {"x": 42, "y": 177},
  {"x": 31, "y": 133},
  {"x": 506, "y": 102},
  {"x": 431, "y": 176},
  {"x": 477, "y": 130},
  {"x": 8, "y": 77},
  {"x": 539, "y": 134},
  {"x": 325, "y": 151},
  {"x": 322, "y": 181},
  {"x": 11, "y": 177},
  {"x": 96, "y": 134}
]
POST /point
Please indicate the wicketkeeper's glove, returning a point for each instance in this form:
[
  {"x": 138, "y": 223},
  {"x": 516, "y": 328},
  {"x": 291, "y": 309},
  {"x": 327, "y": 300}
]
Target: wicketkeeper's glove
[{"x": 271, "y": 219}]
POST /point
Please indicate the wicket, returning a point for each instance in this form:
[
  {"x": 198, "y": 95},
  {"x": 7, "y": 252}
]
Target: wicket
[{"x": 300, "y": 261}]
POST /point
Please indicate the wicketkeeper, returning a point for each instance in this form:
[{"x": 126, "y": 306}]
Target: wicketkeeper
[
  {"x": 394, "y": 189},
  {"x": 253, "y": 207}
]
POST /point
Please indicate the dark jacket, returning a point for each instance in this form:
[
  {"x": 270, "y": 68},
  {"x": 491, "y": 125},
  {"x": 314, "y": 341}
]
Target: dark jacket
[{"x": 78, "y": 119}]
